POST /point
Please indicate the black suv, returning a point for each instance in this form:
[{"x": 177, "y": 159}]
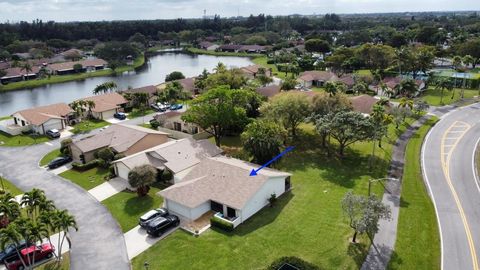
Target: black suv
[
  {"x": 59, "y": 162},
  {"x": 10, "y": 253},
  {"x": 159, "y": 225},
  {"x": 159, "y": 212}
]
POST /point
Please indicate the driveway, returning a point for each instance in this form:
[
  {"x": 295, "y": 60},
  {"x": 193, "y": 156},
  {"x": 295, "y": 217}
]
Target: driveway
[
  {"x": 138, "y": 240},
  {"x": 99, "y": 243},
  {"x": 108, "y": 189}
]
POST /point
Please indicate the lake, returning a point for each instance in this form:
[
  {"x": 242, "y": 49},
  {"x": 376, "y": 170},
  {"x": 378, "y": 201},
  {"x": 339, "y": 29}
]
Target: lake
[{"x": 153, "y": 72}]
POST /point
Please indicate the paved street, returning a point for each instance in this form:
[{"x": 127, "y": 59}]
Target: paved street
[
  {"x": 99, "y": 243},
  {"x": 448, "y": 159}
]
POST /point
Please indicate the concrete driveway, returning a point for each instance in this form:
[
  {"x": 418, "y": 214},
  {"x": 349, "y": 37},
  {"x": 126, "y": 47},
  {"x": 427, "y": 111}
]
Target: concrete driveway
[
  {"x": 138, "y": 240},
  {"x": 99, "y": 243},
  {"x": 108, "y": 189}
]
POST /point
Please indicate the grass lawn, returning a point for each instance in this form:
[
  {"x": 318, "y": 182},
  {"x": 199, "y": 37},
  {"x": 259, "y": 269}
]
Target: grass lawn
[
  {"x": 88, "y": 125},
  {"x": 5, "y": 118},
  {"x": 418, "y": 239},
  {"x": 137, "y": 113},
  {"x": 364, "y": 72},
  {"x": 10, "y": 187},
  {"x": 262, "y": 60},
  {"x": 432, "y": 96},
  {"x": 50, "y": 156},
  {"x": 126, "y": 207},
  {"x": 87, "y": 179},
  {"x": 64, "y": 264},
  {"x": 307, "y": 222},
  {"x": 200, "y": 51},
  {"x": 21, "y": 140}
]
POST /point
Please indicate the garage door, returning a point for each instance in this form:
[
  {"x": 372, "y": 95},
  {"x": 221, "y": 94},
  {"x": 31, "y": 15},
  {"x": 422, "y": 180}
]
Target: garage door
[
  {"x": 53, "y": 124},
  {"x": 108, "y": 114}
]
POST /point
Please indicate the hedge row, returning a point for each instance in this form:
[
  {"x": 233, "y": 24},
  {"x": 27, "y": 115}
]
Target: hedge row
[
  {"x": 221, "y": 224},
  {"x": 87, "y": 166}
]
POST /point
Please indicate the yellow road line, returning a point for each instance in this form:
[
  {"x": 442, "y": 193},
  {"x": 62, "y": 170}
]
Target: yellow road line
[{"x": 445, "y": 166}]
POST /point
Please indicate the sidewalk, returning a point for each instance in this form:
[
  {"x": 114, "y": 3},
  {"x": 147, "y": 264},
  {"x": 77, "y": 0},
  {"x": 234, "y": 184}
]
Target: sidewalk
[
  {"x": 108, "y": 189},
  {"x": 384, "y": 241}
]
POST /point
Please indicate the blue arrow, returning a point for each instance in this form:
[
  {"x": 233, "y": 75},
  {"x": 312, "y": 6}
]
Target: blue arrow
[{"x": 254, "y": 172}]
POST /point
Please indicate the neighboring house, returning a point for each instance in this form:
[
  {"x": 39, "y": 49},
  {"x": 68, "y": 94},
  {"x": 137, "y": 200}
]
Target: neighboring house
[
  {"x": 229, "y": 48},
  {"x": 178, "y": 157},
  {"x": 173, "y": 120},
  {"x": 393, "y": 82},
  {"x": 16, "y": 74},
  {"x": 364, "y": 103},
  {"x": 68, "y": 67},
  {"x": 209, "y": 46},
  {"x": 106, "y": 105},
  {"x": 253, "y": 70},
  {"x": 309, "y": 79},
  {"x": 41, "y": 119},
  {"x": 122, "y": 139},
  {"x": 223, "y": 185},
  {"x": 253, "y": 49},
  {"x": 269, "y": 91},
  {"x": 73, "y": 54},
  {"x": 150, "y": 90},
  {"x": 188, "y": 85}
]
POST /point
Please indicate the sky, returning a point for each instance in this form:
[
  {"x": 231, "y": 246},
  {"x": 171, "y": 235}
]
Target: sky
[{"x": 94, "y": 10}]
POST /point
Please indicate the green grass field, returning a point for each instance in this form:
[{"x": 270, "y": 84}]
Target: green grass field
[
  {"x": 262, "y": 60},
  {"x": 307, "y": 222},
  {"x": 88, "y": 125},
  {"x": 21, "y": 140},
  {"x": 50, "y": 156},
  {"x": 418, "y": 239},
  {"x": 8, "y": 186},
  {"x": 214, "y": 53},
  {"x": 126, "y": 207},
  {"x": 87, "y": 179},
  {"x": 433, "y": 96},
  {"x": 137, "y": 113}
]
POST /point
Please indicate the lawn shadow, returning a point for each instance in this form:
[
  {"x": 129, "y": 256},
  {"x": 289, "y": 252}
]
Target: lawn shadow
[
  {"x": 358, "y": 252},
  {"x": 137, "y": 204}
]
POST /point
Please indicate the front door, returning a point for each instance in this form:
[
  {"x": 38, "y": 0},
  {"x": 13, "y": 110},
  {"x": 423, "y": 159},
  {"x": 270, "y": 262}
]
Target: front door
[
  {"x": 231, "y": 213},
  {"x": 216, "y": 207}
]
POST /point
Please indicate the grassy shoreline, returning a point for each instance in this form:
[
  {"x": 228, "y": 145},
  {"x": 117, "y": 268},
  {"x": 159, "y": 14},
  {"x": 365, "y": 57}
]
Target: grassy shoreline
[
  {"x": 418, "y": 238},
  {"x": 72, "y": 77},
  {"x": 215, "y": 53}
]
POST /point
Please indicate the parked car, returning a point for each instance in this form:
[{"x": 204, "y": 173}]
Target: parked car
[
  {"x": 155, "y": 107},
  {"x": 152, "y": 214},
  {"x": 159, "y": 225},
  {"x": 175, "y": 107},
  {"x": 10, "y": 252},
  {"x": 57, "y": 162},
  {"x": 120, "y": 116},
  {"x": 39, "y": 253},
  {"x": 163, "y": 106},
  {"x": 53, "y": 133}
]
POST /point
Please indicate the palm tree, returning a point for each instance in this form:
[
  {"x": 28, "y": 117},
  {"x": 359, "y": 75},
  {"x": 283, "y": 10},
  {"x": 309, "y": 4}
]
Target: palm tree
[
  {"x": 405, "y": 103},
  {"x": 37, "y": 232},
  {"x": 331, "y": 89},
  {"x": 456, "y": 62},
  {"x": 220, "y": 68},
  {"x": 9, "y": 208},
  {"x": 11, "y": 235},
  {"x": 443, "y": 84},
  {"x": 31, "y": 200},
  {"x": 105, "y": 88},
  {"x": 468, "y": 59},
  {"x": 90, "y": 104},
  {"x": 407, "y": 87},
  {"x": 64, "y": 222},
  {"x": 27, "y": 67},
  {"x": 47, "y": 218}
]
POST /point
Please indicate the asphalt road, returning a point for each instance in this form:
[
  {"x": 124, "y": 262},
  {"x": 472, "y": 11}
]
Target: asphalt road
[
  {"x": 448, "y": 167},
  {"x": 99, "y": 243}
]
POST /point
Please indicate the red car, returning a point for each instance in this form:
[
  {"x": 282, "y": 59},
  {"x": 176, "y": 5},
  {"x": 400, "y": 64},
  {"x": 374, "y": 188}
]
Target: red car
[{"x": 44, "y": 251}]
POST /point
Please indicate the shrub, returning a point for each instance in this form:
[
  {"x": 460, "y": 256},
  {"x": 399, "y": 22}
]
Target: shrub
[
  {"x": 64, "y": 149},
  {"x": 87, "y": 166},
  {"x": 119, "y": 156},
  {"x": 272, "y": 199},
  {"x": 221, "y": 224},
  {"x": 270, "y": 61},
  {"x": 294, "y": 261},
  {"x": 154, "y": 124}
]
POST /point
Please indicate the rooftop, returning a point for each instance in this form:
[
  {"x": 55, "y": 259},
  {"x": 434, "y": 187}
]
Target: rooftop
[
  {"x": 40, "y": 115},
  {"x": 106, "y": 102}
]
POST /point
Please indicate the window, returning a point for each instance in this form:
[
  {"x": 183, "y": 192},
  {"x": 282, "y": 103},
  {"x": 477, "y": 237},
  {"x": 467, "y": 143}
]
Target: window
[
  {"x": 231, "y": 213},
  {"x": 177, "y": 126},
  {"x": 194, "y": 130},
  {"x": 216, "y": 207}
]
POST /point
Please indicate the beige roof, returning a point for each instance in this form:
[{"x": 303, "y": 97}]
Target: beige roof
[
  {"x": 175, "y": 155},
  {"x": 221, "y": 179},
  {"x": 40, "y": 115},
  {"x": 363, "y": 103},
  {"x": 70, "y": 65},
  {"x": 150, "y": 90},
  {"x": 316, "y": 75},
  {"x": 106, "y": 102},
  {"x": 119, "y": 137},
  {"x": 269, "y": 91}
]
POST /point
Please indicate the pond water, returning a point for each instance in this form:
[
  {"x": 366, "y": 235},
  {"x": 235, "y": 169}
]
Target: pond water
[{"x": 153, "y": 72}]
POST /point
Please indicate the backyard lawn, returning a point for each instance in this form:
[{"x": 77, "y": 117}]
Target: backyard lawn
[
  {"x": 7, "y": 185},
  {"x": 88, "y": 125},
  {"x": 262, "y": 61},
  {"x": 418, "y": 239},
  {"x": 432, "y": 96},
  {"x": 126, "y": 207},
  {"x": 307, "y": 222},
  {"x": 21, "y": 140},
  {"x": 87, "y": 179},
  {"x": 50, "y": 156}
]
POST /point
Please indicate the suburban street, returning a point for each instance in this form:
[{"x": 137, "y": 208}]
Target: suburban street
[{"x": 448, "y": 166}]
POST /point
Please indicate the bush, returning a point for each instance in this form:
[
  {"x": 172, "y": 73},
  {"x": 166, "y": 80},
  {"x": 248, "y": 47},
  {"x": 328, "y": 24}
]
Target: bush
[
  {"x": 270, "y": 61},
  {"x": 87, "y": 166},
  {"x": 294, "y": 261},
  {"x": 64, "y": 149},
  {"x": 119, "y": 156},
  {"x": 221, "y": 224},
  {"x": 154, "y": 124}
]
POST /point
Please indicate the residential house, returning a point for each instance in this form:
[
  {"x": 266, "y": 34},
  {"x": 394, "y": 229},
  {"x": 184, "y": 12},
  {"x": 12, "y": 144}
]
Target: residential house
[
  {"x": 40, "y": 119},
  {"x": 253, "y": 49},
  {"x": 392, "y": 83},
  {"x": 224, "y": 185},
  {"x": 364, "y": 103},
  {"x": 229, "y": 48},
  {"x": 122, "y": 139},
  {"x": 73, "y": 54},
  {"x": 269, "y": 91},
  {"x": 315, "y": 78},
  {"x": 177, "y": 156},
  {"x": 16, "y": 74},
  {"x": 188, "y": 85},
  {"x": 150, "y": 90},
  {"x": 209, "y": 46},
  {"x": 252, "y": 71},
  {"x": 69, "y": 67},
  {"x": 173, "y": 120},
  {"x": 106, "y": 105}
]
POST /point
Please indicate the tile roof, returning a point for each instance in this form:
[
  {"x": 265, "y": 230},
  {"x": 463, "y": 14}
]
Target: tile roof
[
  {"x": 17, "y": 72},
  {"x": 363, "y": 104},
  {"x": 316, "y": 75},
  {"x": 269, "y": 91},
  {"x": 150, "y": 89},
  {"x": 221, "y": 179},
  {"x": 106, "y": 102},
  {"x": 84, "y": 63},
  {"x": 119, "y": 137},
  {"x": 40, "y": 115}
]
